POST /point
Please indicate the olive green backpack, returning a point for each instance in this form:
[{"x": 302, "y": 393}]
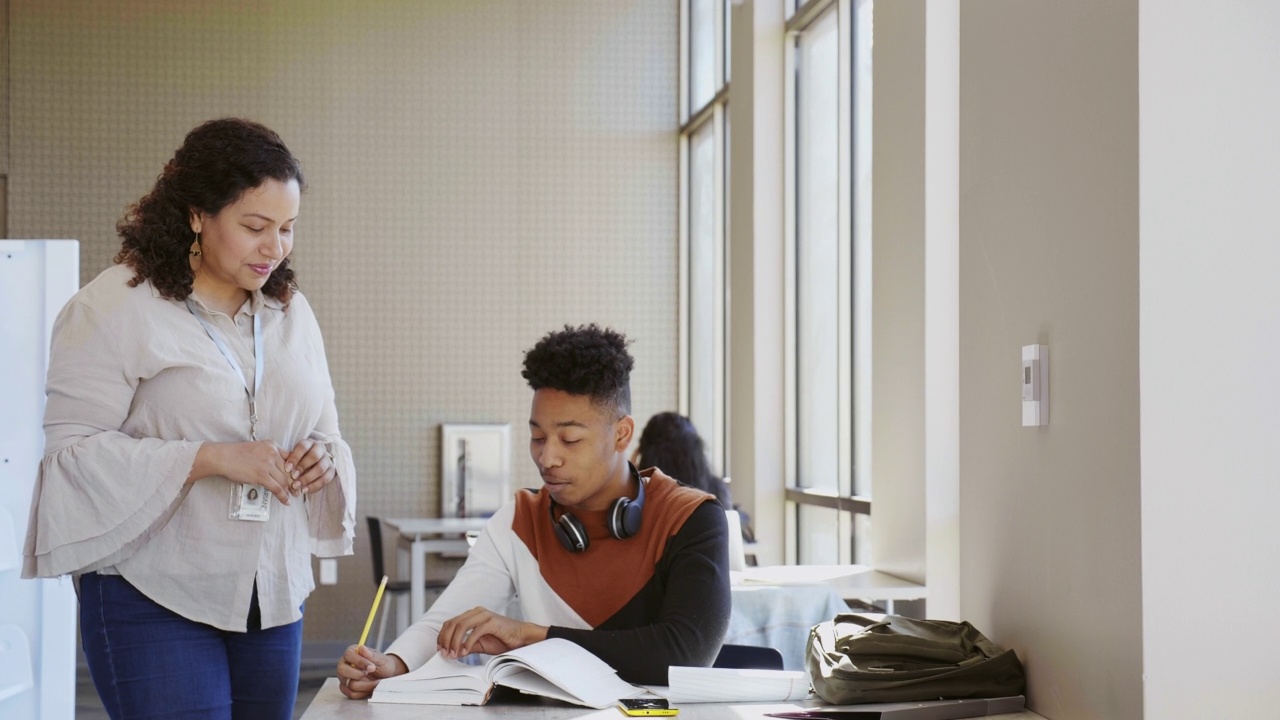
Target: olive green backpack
[{"x": 888, "y": 658}]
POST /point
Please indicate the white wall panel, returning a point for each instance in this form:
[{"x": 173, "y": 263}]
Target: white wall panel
[{"x": 37, "y": 617}]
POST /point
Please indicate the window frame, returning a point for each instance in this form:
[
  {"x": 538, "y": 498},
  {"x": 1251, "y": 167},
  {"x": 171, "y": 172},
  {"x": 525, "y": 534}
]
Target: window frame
[
  {"x": 715, "y": 112},
  {"x": 853, "y": 319}
]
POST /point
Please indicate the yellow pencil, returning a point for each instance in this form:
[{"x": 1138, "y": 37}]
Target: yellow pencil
[{"x": 364, "y": 635}]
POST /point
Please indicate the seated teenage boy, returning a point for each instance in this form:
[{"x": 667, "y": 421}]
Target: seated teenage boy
[{"x": 632, "y": 568}]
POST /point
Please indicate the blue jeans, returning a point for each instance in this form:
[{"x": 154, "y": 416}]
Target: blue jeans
[{"x": 149, "y": 662}]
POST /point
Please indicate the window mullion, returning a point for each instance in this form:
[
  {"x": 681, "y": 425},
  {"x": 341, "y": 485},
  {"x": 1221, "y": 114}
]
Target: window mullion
[
  {"x": 718, "y": 309},
  {"x": 790, "y": 359},
  {"x": 844, "y": 302},
  {"x": 683, "y": 399},
  {"x": 704, "y": 113}
]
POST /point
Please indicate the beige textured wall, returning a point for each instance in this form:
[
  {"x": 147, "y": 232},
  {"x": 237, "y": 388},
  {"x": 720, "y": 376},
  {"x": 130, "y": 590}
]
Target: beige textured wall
[
  {"x": 4, "y": 90},
  {"x": 481, "y": 171},
  {"x": 4, "y": 118},
  {"x": 1050, "y": 517}
]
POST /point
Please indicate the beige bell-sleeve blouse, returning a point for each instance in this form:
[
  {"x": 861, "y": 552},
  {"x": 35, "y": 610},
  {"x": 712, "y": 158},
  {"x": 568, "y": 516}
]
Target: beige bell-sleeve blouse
[{"x": 135, "y": 386}]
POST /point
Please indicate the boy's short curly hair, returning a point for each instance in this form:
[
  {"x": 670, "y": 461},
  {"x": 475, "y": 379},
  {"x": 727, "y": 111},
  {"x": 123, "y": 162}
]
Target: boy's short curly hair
[{"x": 586, "y": 360}]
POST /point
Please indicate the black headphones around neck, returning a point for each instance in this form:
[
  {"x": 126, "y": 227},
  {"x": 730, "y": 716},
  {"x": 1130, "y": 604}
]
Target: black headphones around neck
[{"x": 625, "y": 518}]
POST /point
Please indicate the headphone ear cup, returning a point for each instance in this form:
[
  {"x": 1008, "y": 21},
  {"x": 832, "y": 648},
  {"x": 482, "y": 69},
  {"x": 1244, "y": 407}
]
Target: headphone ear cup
[
  {"x": 625, "y": 518},
  {"x": 571, "y": 533},
  {"x": 617, "y": 525}
]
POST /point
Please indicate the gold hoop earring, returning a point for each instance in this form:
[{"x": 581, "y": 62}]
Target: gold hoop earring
[{"x": 195, "y": 246}]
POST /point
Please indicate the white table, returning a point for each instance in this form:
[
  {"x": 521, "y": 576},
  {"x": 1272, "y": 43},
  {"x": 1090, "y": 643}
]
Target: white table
[
  {"x": 852, "y": 582},
  {"x": 329, "y": 704},
  {"x": 418, "y": 538}
]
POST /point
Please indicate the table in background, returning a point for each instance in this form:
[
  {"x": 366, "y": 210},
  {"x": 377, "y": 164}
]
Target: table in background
[
  {"x": 418, "y": 538},
  {"x": 329, "y": 704},
  {"x": 851, "y": 582}
]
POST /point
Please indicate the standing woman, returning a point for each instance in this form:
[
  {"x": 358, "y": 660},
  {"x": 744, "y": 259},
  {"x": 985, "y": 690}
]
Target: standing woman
[{"x": 193, "y": 462}]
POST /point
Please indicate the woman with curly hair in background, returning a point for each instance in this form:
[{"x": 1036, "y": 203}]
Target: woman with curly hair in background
[
  {"x": 193, "y": 462},
  {"x": 672, "y": 444}
]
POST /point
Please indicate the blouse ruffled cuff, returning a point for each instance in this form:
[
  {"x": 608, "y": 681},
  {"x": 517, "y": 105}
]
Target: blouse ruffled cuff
[
  {"x": 331, "y": 513},
  {"x": 74, "y": 531}
]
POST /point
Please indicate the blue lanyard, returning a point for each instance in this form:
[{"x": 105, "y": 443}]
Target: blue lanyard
[{"x": 258, "y": 360}]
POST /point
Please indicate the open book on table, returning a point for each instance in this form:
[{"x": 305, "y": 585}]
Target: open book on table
[
  {"x": 555, "y": 668},
  {"x": 699, "y": 685}
]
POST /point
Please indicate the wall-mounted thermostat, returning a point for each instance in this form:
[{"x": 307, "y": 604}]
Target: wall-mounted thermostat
[{"x": 1035, "y": 385}]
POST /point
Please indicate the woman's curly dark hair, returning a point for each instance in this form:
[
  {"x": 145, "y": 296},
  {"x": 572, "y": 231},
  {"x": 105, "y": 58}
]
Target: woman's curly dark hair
[
  {"x": 218, "y": 162},
  {"x": 671, "y": 442},
  {"x": 585, "y": 360}
]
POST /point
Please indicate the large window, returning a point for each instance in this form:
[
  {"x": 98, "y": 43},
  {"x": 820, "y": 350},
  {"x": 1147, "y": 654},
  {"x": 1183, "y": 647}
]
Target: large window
[
  {"x": 828, "y": 493},
  {"x": 703, "y": 227}
]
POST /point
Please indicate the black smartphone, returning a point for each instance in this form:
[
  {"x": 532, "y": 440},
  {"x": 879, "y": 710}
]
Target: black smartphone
[{"x": 646, "y": 706}]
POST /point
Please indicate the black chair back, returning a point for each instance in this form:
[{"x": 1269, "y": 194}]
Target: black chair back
[
  {"x": 375, "y": 544},
  {"x": 749, "y": 657}
]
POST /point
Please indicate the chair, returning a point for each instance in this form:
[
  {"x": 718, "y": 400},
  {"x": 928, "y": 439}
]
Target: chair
[
  {"x": 737, "y": 554},
  {"x": 396, "y": 589},
  {"x": 749, "y": 657}
]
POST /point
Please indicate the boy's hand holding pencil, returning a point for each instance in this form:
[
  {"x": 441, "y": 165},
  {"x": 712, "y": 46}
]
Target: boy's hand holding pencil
[{"x": 361, "y": 668}]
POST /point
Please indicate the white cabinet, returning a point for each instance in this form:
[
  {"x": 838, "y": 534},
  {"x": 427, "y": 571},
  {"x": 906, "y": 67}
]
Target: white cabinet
[{"x": 37, "y": 617}]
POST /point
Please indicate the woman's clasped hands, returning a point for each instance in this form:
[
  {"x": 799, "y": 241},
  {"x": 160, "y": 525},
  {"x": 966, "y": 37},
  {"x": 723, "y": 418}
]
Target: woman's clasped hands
[{"x": 304, "y": 470}]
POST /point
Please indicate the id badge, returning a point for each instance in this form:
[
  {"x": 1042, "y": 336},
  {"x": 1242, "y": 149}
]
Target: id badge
[{"x": 250, "y": 502}]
